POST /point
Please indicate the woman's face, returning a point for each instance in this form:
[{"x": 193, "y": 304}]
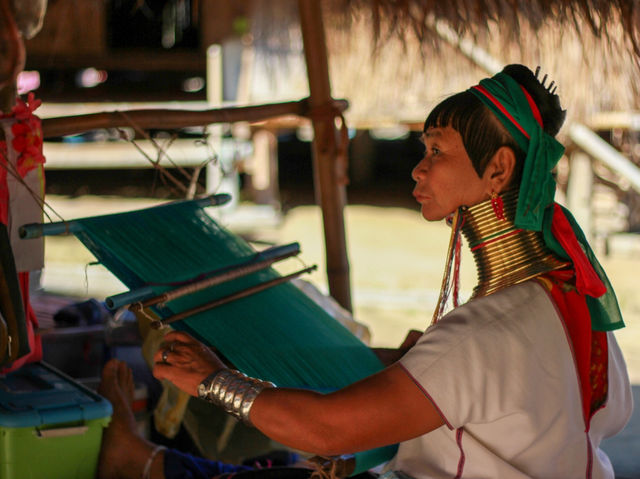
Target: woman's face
[{"x": 445, "y": 178}]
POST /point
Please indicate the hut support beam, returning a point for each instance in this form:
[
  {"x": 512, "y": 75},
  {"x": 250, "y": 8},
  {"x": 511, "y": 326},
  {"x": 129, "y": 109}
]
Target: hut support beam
[
  {"x": 330, "y": 192},
  {"x": 580, "y": 191},
  {"x": 173, "y": 119},
  {"x": 599, "y": 149}
]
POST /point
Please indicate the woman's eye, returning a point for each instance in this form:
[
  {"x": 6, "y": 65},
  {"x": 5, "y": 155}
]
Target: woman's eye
[{"x": 435, "y": 151}]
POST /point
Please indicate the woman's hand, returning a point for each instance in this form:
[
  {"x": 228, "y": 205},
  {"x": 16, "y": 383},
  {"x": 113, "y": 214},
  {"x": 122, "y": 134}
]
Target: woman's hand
[
  {"x": 185, "y": 361},
  {"x": 388, "y": 356}
]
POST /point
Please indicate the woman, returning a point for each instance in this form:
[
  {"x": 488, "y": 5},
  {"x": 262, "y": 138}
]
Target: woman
[{"x": 525, "y": 379}]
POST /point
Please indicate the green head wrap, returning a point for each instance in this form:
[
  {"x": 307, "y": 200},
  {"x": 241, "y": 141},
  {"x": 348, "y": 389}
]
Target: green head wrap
[{"x": 508, "y": 101}]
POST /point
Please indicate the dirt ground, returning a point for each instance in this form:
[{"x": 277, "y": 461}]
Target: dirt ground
[{"x": 396, "y": 261}]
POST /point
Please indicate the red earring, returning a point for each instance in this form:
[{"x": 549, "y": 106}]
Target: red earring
[{"x": 498, "y": 206}]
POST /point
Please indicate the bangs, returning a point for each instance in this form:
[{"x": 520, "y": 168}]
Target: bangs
[
  {"x": 462, "y": 111},
  {"x": 482, "y": 133}
]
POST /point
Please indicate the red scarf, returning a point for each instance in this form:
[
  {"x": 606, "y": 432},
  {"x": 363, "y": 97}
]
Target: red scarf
[{"x": 589, "y": 347}]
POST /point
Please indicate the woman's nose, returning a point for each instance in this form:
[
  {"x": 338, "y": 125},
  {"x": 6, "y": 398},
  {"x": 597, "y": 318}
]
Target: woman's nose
[{"x": 420, "y": 169}]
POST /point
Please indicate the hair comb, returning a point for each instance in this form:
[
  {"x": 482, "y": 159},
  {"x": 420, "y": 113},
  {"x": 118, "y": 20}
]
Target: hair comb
[{"x": 552, "y": 86}]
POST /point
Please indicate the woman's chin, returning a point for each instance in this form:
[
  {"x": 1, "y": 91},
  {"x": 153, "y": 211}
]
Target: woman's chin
[{"x": 431, "y": 215}]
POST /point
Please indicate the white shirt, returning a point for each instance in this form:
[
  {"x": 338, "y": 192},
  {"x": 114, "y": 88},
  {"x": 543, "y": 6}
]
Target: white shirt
[{"x": 500, "y": 370}]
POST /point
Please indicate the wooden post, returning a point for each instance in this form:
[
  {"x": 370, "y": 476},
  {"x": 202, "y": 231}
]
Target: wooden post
[
  {"x": 580, "y": 191},
  {"x": 330, "y": 193},
  {"x": 264, "y": 168}
]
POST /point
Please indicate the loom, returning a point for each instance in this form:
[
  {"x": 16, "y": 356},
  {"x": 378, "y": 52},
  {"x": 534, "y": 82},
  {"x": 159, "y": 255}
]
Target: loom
[{"x": 193, "y": 273}]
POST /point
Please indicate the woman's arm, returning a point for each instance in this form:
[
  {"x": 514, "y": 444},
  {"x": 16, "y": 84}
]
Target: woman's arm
[{"x": 382, "y": 409}]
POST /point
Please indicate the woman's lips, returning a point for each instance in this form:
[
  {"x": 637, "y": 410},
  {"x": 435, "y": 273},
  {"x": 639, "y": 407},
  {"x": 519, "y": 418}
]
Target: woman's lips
[{"x": 420, "y": 197}]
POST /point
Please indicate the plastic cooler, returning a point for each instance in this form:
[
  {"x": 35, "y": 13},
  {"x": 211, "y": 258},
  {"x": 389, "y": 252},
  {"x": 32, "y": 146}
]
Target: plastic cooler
[{"x": 50, "y": 425}]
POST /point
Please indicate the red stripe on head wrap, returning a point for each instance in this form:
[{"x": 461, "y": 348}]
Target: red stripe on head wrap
[
  {"x": 504, "y": 111},
  {"x": 533, "y": 106}
]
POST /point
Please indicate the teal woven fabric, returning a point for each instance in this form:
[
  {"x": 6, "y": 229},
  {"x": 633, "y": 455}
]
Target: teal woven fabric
[{"x": 279, "y": 334}]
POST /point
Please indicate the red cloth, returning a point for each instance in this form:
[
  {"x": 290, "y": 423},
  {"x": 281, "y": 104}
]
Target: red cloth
[
  {"x": 589, "y": 347},
  {"x": 587, "y": 280}
]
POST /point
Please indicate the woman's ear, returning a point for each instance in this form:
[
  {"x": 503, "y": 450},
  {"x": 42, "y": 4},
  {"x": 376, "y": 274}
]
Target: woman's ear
[{"x": 500, "y": 169}]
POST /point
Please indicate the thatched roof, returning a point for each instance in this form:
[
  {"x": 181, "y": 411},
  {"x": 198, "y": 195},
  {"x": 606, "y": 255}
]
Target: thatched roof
[
  {"x": 393, "y": 60},
  {"x": 478, "y": 16}
]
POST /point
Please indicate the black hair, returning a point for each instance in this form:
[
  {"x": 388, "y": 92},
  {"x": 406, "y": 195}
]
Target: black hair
[{"x": 482, "y": 133}]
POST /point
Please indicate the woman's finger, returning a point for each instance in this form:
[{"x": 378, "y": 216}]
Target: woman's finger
[
  {"x": 157, "y": 356},
  {"x": 163, "y": 355},
  {"x": 184, "y": 376},
  {"x": 185, "y": 354},
  {"x": 181, "y": 348},
  {"x": 180, "y": 336}
]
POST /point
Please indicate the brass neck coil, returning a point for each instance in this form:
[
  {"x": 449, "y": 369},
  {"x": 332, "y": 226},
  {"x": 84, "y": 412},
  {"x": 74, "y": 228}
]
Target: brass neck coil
[{"x": 504, "y": 254}]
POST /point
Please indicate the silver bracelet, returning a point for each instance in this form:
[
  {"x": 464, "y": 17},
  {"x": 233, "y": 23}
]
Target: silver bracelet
[{"x": 232, "y": 390}]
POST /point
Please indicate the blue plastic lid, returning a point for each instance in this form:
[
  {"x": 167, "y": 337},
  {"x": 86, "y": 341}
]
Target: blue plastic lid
[{"x": 38, "y": 394}]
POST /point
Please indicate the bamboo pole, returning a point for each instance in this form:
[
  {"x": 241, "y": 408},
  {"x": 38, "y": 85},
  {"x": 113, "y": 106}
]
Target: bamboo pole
[
  {"x": 172, "y": 119},
  {"x": 602, "y": 151},
  {"x": 330, "y": 193},
  {"x": 580, "y": 191}
]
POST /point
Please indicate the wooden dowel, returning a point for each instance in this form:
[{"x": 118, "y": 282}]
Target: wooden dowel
[
  {"x": 231, "y": 297},
  {"x": 271, "y": 256},
  {"x": 128, "y": 297},
  {"x": 173, "y": 119},
  {"x": 36, "y": 230}
]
